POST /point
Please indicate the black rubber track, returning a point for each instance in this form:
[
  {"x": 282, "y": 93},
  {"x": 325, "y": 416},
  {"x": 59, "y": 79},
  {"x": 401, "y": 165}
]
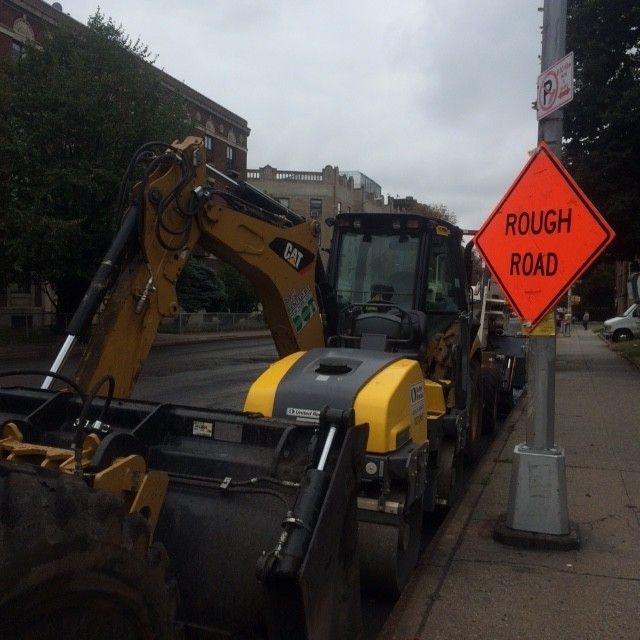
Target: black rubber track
[
  {"x": 75, "y": 564},
  {"x": 473, "y": 446},
  {"x": 491, "y": 380}
]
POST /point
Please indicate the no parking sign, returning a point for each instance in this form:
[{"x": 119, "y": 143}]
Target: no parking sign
[{"x": 555, "y": 86}]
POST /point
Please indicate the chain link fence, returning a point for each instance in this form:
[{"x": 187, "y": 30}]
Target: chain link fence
[
  {"x": 22, "y": 327},
  {"x": 31, "y": 327},
  {"x": 203, "y": 322}
]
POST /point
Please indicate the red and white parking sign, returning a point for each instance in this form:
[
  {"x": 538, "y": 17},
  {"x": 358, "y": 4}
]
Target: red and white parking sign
[{"x": 555, "y": 86}]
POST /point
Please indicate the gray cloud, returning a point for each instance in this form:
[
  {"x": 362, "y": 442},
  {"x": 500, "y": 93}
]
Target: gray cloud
[{"x": 430, "y": 98}]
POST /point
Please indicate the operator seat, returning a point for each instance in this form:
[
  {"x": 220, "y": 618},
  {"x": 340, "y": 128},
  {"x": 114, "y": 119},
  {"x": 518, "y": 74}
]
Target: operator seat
[{"x": 388, "y": 332}]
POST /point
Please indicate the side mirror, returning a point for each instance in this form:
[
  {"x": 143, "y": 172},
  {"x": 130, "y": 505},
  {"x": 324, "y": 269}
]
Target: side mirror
[{"x": 329, "y": 221}]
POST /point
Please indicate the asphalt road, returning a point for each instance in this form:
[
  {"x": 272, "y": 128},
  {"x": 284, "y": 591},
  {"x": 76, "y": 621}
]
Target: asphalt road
[
  {"x": 207, "y": 374},
  {"x": 213, "y": 374}
]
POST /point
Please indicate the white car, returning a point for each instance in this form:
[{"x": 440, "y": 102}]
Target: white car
[{"x": 624, "y": 327}]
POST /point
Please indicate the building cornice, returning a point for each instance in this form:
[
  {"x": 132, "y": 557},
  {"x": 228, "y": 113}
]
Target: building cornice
[{"x": 202, "y": 101}]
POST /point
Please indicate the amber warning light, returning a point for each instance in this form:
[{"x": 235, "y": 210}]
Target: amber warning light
[{"x": 543, "y": 235}]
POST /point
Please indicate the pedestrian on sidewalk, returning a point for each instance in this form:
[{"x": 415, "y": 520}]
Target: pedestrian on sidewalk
[{"x": 585, "y": 320}]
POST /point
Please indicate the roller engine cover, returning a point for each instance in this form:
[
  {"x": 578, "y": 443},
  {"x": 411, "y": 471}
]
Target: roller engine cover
[{"x": 385, "y": 390}]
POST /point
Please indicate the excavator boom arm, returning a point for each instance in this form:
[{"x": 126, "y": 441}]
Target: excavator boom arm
[{"x": 176, "y": 209}]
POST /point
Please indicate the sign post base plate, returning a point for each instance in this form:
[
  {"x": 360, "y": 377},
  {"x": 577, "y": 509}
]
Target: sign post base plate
[{"x": 537, "y": 514}]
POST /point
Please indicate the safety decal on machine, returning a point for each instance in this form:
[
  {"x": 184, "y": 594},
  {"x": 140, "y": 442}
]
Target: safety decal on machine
[
  {"x": 201, "y": 428},
  {"x": 293, "y": 254},
  {"x": 304, "y": 415},
  {"x": 301, "y": 306},
  {"x": 416, "y": 395}
]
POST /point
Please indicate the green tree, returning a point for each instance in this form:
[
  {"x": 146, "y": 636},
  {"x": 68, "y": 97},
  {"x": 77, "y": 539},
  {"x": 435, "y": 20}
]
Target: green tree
[
  {"x": 72, "y": 114},
  {"x": 241, "y": 296},
  {"x": 199, "y": 288},
  {"x": 596, "y": 290},
  {"x": 602, "y": 124},
  {"x": 441, "y": 211}
]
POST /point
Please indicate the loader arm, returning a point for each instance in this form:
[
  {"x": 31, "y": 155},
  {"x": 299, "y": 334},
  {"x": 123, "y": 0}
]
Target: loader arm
[{"x": 176, "y": 208}]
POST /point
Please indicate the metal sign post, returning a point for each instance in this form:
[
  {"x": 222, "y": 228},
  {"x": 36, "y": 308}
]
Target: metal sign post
[
  {"x": 538, "y": 490},
  {"x": 535, "y": 268}
]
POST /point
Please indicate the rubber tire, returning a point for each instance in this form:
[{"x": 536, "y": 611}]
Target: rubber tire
[
  {"x": 474, "y": 446},
  {"x": 75, "y": 564},
  {"x": 505, "y": 403},
  {"x": 621, "y": 335},
  {"x": 450, "y": 473},
  {"x": 490, "y": 400}
]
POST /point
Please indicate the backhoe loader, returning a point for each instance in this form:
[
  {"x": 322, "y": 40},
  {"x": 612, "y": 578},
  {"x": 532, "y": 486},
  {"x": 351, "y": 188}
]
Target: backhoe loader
[
  {"x": 165, "y": 519},
  {"x": 405, "y": 356},
  {"x": 128, "y": 519}
]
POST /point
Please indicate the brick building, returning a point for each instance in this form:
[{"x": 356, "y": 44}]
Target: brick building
[
  {"x": 225, "y": 133},
  {"x": 321, "y": 194}
]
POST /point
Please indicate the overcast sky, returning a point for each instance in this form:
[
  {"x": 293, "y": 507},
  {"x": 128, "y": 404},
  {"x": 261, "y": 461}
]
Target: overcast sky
[{"x": 430, "y": 98}]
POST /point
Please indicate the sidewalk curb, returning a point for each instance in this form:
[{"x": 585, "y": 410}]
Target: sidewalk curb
[
  {"x": 210, "y": 337},
  {"x": 39, "y": 352},
  {"x": 29, "y": 352},
  {"x": 620, "y": 354},
  {"x": 450, "y": 534}
]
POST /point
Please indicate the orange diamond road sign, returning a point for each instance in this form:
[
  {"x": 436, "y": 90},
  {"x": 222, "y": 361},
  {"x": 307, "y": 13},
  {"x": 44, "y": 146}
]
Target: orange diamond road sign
[{"x": 543, "y": 235}]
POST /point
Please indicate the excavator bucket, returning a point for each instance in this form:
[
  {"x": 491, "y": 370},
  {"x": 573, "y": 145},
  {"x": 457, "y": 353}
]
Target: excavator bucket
[{"x": 258, "y": 521}]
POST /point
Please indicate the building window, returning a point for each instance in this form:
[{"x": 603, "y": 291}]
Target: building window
[
  {"x": 23, "y": 321},
  {"x": 208, "y": 143},
  {"x": 17, "y": 51},
  {"x": 231, "y": 157},
  {"x": 339, "y": 207},
  {"x": 315, "y": 207},
  {"x": 284, "y": 202},
  {"x": 22, "y": 287}
]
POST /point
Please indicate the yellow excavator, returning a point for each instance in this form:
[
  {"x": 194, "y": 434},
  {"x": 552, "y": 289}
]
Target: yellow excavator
[{"x": 162, "y": 521}]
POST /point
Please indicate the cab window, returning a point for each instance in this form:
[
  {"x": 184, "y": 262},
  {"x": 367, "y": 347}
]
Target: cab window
[
  {"x": 444, "y": 288},
  {"x": 377, "y": 267}
]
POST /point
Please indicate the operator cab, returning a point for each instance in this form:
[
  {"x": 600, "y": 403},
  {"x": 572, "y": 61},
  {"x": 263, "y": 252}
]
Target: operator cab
[{"x": 399, "y": 280}]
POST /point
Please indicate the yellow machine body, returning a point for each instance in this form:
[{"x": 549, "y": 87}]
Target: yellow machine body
[{"x": 389, "y": 393}]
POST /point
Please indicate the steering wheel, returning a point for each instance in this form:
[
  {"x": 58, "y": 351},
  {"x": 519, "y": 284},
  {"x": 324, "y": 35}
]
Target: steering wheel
[{"x": 372, "y": 309}]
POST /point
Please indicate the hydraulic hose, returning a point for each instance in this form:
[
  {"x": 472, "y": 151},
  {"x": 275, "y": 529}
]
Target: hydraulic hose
[
  {"x": 96, "y": 291},
  {"x": 101, "y": 281}
]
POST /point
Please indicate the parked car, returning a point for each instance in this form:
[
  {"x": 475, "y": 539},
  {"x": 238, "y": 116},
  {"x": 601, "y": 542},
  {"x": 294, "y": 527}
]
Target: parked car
[{"x": 624, "y": 327}]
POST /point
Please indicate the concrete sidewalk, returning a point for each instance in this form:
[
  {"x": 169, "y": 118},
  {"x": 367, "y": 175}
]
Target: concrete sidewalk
[{"x": 469, "y": 586}]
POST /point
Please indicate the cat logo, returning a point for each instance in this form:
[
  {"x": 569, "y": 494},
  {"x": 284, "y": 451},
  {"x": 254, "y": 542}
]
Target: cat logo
[{"x": 293, "y": 254}]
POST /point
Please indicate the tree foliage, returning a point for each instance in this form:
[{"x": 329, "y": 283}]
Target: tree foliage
[
  {"x": 440, "y": 211},
  {"x": 241, "y": 296},
  {"x": 199, "y": 288},
  {"x": 602, "y": 124},
  {"x": 72, "y": 114},
  {"x": 596, "y": 289}
]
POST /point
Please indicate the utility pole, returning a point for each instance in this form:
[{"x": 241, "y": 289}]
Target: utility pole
[{"x": 537, "y": 513}]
